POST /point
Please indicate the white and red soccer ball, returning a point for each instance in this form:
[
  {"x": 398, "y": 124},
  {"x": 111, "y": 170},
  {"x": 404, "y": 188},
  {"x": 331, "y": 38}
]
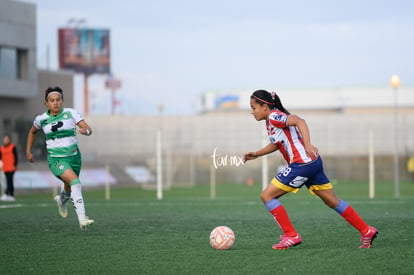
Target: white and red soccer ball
[{"x": 222, "y": 237}]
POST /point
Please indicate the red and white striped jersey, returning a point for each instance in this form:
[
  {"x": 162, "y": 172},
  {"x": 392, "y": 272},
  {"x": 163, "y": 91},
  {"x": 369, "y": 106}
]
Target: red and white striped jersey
[{"x": 287, "y": 138}]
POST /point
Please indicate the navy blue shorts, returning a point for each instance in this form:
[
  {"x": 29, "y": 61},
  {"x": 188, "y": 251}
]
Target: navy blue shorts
[{"x": 294, "y": 176}]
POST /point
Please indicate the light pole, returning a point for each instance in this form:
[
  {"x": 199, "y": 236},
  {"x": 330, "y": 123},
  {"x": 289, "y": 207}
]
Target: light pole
[
  {"x": 395, "y": 83},
  {"x": 159, "y": 155},
  {"x": 113, "y": 84}
]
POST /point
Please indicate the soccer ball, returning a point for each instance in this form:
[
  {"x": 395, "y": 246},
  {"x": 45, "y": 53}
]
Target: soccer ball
[{"x": 222, "y": 237}]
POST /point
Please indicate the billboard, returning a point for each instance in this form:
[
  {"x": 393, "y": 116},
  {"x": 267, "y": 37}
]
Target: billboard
[{"x": 84, "y": 50}]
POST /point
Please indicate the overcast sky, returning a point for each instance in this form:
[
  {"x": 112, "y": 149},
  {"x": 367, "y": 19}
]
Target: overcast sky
[{"x": 169, "y": 52}]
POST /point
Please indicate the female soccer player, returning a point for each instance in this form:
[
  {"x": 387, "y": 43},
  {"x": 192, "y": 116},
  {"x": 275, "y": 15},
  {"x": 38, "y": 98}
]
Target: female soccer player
[
  {"x": 289, "y": 134},
  {"x": 64, "y": 158}
]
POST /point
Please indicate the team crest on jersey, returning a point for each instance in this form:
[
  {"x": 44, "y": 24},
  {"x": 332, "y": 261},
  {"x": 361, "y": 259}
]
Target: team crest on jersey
[
  {"x": 61, "y": 167},
  {"x": 65, "y": 116},
  {"x": 278, "y": 117}
]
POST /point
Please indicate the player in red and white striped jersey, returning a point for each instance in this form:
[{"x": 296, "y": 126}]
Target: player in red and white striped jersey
[{"x": 289, "y": 134}]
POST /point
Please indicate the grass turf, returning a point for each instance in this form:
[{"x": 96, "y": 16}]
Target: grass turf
[{"x": 137, "y": 234}]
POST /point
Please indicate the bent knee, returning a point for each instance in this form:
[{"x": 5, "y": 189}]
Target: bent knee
[
  {"x": 268, "y": 195},
  {"x": 264, "y": 197}
]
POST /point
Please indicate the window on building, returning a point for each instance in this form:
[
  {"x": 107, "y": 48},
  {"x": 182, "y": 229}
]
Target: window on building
[
  {"x": 8, "y": 63},
  {"x": 22, "y": 64},
  {"x": 14, "y": 63}
]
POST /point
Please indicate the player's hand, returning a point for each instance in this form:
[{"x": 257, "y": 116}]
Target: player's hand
[
  {"x": 85, "y": 131},
  {"x": 249, "y": 156},
  {"x": 29, "y": 157},
  {"x": 311, "y": 150}
]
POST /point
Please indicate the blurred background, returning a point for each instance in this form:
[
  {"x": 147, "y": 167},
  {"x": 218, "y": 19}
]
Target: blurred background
[{"x": 165, "y": 85}]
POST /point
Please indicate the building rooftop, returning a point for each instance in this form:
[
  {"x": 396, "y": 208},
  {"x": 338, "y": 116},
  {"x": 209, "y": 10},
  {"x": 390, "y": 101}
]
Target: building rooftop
[{"x": 313, "y": 98}]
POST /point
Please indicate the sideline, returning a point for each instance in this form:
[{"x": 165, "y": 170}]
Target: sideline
[{"x": 189, "y": 202}]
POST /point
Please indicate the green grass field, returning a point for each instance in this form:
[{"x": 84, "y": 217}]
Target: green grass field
[{"x": 136, "y": 234}]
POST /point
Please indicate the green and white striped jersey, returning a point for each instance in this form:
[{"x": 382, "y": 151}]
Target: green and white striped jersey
[{"x": 60, "y": 131}]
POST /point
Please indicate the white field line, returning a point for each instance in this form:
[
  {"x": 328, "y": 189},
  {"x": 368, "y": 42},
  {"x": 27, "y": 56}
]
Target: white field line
[{"x": 191, "y": 202}]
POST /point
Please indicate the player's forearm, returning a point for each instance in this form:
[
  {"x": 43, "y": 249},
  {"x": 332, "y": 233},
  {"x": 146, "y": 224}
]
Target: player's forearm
[
  {"x": 29, "y": 143},
  {"x": 304, "y": 130},
  {"x": 270, "y": 148}
]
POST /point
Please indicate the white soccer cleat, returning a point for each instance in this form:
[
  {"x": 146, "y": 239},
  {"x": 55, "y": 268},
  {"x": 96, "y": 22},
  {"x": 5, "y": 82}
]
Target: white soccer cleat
[
  {"x": 10, "y": 198},
  {"x": 85, "y": 222},
  {"x": 62, "y": 209},
  {"x": 5, "y": 197}
]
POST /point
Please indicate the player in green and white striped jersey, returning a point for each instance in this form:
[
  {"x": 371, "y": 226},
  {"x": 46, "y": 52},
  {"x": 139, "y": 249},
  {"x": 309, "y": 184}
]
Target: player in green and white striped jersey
[{"x": 59, "y": 125}]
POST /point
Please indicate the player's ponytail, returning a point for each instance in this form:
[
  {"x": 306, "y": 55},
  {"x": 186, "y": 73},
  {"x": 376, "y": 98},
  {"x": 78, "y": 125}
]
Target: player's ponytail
[{"x": 271, "y": 99}]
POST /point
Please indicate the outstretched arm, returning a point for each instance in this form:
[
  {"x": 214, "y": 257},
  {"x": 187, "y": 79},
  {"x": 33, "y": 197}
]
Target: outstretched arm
[{"x": 271, "y": 147}]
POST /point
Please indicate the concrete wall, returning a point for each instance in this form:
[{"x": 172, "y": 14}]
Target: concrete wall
[
  {"x": 189, "y": 142},
  {"x": 333, "y": 133},
  {"x": 18, "y": 31}
]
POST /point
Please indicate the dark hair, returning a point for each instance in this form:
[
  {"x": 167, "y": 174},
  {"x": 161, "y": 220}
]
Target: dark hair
[
  {"x": 271, "y": 99},
  {"x": 53, "y": 89}
]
